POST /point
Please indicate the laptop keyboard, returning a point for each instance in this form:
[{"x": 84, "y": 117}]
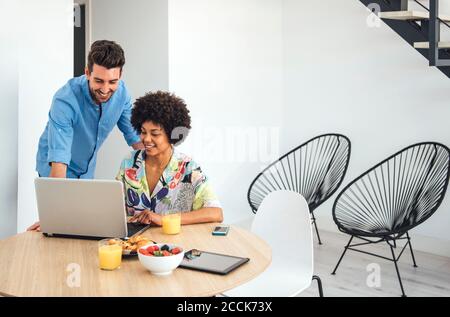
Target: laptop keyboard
[{"x": 134, "y": 228}]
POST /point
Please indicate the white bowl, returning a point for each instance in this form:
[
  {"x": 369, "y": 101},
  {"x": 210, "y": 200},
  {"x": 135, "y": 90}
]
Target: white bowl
[{"x": 161, "y": 265}]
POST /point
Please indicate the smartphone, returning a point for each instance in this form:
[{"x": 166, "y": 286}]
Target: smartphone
[{"x": 221, "y": 230}]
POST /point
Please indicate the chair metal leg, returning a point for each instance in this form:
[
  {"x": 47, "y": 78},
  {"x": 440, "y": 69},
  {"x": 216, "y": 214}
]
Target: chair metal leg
[
  {"x": 319, "y": 284},
  {"x": 315, "y": 226},
  {"x": 410, "y": 248},
  {"x": 342, "y": 255},
  {"x": 398, "y": 272}
]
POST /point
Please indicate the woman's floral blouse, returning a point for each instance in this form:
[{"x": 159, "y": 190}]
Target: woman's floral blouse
[{"x": 182, "y": 187}]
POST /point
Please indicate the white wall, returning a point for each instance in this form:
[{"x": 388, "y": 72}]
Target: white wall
[
  {"x": 225, "y": 60},
  {"x": 8, "y": 119},
  {"x": 45, "y": 63},
  {"x": 367, "y": 83},
  {"x": 140, "y": 27}
]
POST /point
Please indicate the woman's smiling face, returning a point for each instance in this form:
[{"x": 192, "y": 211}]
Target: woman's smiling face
[{"x": 154, "y": 138}]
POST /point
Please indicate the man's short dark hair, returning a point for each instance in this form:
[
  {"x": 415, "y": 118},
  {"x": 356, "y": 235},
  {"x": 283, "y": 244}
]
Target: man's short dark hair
[
  {"x": 165, "y": 109},
  {"x": 105, "y": 53}
]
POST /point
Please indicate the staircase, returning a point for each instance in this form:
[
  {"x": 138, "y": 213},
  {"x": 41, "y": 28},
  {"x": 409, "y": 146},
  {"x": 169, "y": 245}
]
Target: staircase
[{"x": 420, "y": 28}]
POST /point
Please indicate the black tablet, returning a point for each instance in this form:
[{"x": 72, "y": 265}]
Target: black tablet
[{"x": 211, "y": 262}]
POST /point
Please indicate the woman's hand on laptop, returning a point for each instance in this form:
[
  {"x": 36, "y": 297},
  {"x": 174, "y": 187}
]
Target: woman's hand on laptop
[
  {"x": 147, "y": 217},
  {"x": 35, "y": 227}
]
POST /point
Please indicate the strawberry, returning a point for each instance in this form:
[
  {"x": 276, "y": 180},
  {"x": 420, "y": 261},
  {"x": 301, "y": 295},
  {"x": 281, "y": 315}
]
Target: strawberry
[{"x": 144, "y": 252}]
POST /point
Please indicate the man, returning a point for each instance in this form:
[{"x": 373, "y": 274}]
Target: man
[{"x": 83, "y": 112}]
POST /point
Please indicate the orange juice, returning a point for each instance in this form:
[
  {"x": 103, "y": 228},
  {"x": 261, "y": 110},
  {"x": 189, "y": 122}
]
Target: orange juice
[
  {"x": 171, "y": 224},
  {"x": 109, "y": 255}
]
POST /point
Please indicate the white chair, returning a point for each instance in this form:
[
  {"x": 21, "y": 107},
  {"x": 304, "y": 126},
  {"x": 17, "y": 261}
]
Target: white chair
[{"x": 283, "y": 221}]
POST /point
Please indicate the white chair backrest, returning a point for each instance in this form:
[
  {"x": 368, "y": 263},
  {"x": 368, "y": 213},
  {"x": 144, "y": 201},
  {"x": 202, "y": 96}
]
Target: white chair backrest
[{"x": 283, "y": 221}]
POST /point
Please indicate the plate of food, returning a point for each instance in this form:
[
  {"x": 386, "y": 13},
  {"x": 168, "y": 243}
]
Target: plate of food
[{"x": 132, "y": 245}]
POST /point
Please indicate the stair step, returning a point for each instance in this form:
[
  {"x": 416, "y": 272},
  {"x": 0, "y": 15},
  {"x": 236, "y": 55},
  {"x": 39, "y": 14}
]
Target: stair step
[
  {"x": 427, "y": 45},
  {"x": 409, "y": 15}
]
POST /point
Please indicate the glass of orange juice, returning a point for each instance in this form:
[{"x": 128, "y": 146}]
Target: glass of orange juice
[
  {"x": 171, "y": 223},
  {"x": 110, "y": 254}
]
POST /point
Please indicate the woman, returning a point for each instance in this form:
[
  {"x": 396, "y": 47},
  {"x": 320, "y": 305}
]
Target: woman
[{"x": 160, "y": 180}]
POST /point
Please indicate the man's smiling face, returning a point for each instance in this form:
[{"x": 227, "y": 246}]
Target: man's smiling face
[{"x": 103, "y": 82}]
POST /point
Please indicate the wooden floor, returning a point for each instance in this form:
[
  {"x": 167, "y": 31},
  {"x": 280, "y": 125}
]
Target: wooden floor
[{"x": 430, "y": 278}]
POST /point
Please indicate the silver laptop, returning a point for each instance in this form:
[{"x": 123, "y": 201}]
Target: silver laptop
[{"x": 83, "y": 208}]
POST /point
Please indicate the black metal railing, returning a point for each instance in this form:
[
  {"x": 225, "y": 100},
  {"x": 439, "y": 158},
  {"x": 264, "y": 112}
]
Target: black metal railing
[
  {"x": 434, "y": 36},
  {"x": 426, "y": 8},
  {"x": 412, "y": 31}
]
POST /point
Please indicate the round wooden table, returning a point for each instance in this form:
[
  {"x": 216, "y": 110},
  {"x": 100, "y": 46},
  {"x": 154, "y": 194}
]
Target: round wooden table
[{"x": 33, "y": 265}]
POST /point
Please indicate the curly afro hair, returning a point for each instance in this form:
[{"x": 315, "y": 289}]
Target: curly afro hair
[{"x": 165, "y": 109}]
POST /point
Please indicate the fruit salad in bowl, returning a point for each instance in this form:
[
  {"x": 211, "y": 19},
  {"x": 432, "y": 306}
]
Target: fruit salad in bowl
[{"x": 160, "y": 258}]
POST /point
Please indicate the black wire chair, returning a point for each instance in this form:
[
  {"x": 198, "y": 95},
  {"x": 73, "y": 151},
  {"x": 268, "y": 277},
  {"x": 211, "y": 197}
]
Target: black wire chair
[
  {"x": 314, "y": 169},
  {"x": 391, "y": 198}
]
